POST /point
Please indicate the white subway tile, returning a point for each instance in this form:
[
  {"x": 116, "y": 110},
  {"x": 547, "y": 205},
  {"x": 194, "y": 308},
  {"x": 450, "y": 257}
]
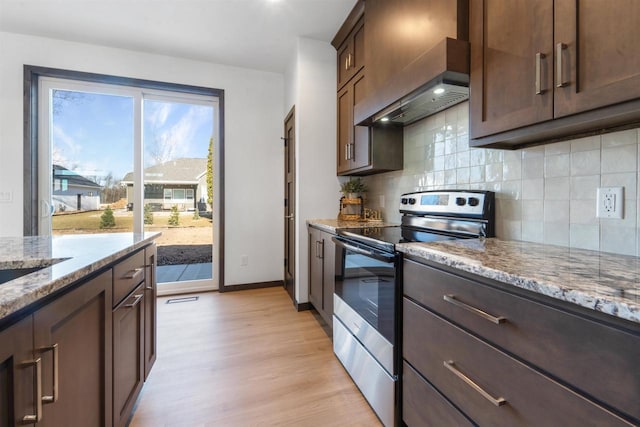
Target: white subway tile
[
  {"x": 556, "y": 188},
  {"x": 623, "y": 158},
  {"x": 533, "y": 189},
  {"x": 462, "y": 142},
  {"x": 450, "y": 145},
  {"x": 586, "y": 144},
  {"x": 438, "y": 178},
  {"x": 462, "y": 176},
  {"x": 438, "y": 148},
  {"x": 477, "y": 156},
  {"x": 556, "y": 211},
  {"x": 629, "y": 219},
  {"x": 533, "y": 152},
  {"x": 556, "y": 233},
  {"x": 532, "y": 167},
  {"x": 462, "y": 159},
  {"x": 533, "y": 210},
  {"x": 438, "y": 163},
  {"x": 511, "y": 230},
  {"x": 557, "y": 165},
  {"x": 450, "y": 177},
  {"x": 533, "y": 231},
  {"x": 512, "y": 190},
  {"x": 585, "y": 163},
  {"x": 495, "y": 156},
  {"x": 584, "y": 187},
  {"x": 625, "y": 137},
  {"x": 476, "y": 174},
  {"x": 513, "y": 156},
  {"x": 493, "y": 172},
  {"x": 512, "y": 170},
  {"x": 449, "y": 161},
  {"x": 557, "y": 148},
  {"x": 619, "y": 240},
  {"x": 583, "y": 212},
  {"x": 584, "y": 236}
]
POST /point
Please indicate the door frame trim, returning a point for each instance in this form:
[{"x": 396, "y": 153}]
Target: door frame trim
[
  {"x": 291, "y": 115},
  {"x": 31, "y": 76}
]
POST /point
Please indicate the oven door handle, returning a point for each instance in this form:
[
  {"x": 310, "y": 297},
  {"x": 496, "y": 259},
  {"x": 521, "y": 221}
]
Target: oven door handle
[{"x": 375, "y": 255}]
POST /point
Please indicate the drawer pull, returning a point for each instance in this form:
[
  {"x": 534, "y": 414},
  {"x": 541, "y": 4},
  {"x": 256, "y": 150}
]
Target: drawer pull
[
  {"x": 54, "y": 397},
  {"x": 452, "y": 299},
  {"x": 132, "y": 274},
  {"x": 559, "y": 74},
  {"x": 539, "y": 57},
  {"x": 137, "y": 300},
  {"x": 37, "y": 392},
  {"x": 450, "y": 365}
]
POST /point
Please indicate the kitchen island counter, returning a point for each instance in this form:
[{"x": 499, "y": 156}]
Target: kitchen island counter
[
  {"x": 604, "y": 282},
  {"x": 67, "y": 259}
]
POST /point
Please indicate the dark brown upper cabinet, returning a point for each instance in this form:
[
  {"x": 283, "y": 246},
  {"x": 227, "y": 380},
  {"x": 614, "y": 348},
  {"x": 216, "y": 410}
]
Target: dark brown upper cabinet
[
  {"x": 351, "y": 54},
  {"x": 545, "y": 70}
]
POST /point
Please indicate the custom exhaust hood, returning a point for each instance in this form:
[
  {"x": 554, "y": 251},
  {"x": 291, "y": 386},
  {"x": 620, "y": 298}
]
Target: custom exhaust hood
[{"x": 435, "y": 81}]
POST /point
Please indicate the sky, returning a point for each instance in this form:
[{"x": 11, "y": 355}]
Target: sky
[{"x": 93, "y": 133}]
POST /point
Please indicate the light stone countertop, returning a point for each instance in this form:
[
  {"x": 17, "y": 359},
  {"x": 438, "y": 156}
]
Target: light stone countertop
[
  {"x": 75, "y": 256},
  {"x": 331, "y": 225},
  {"x": 604, "y": 282}
]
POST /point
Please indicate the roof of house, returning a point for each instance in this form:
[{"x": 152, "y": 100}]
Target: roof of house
[
  {"x": 178, "y": 171},
  {"x": 73, "y": 178}
]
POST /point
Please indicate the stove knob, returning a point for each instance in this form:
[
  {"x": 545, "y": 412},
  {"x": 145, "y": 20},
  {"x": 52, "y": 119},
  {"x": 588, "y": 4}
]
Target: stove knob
[
  {"x": 412, "y": 201},
  {"x": 461, "y": 201},
  {"x": 404, "y": 201},
  {"x": 473, "y": 201}
]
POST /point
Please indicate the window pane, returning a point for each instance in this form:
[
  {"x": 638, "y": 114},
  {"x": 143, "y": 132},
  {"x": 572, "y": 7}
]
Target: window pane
[
  {"x": 190, "y": 194},
  {"x": 178, "y": 194},
  {"x": 167, "y": 194}
]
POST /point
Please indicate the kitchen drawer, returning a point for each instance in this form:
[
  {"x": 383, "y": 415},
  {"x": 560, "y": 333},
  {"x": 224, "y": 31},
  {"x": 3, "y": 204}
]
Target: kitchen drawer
[
  {"x": 475, "y": 377},
  {"x": 600, "y": 360},
  {"x": 422, "y": 405},
  {"x": 127, "y": 274}
]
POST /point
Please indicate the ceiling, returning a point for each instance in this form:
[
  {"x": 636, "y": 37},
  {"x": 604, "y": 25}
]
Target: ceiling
[{"x": 258, "y": 34}]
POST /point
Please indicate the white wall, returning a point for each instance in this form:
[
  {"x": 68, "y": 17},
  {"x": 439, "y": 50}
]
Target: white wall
[
  {"x": 544, "y": 194},
  {"x": 253, "y": 126},
  {"x": 311, "y": 87}
]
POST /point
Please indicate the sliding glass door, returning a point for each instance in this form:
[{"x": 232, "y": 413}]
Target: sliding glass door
[{"x": 122, "y": 159}]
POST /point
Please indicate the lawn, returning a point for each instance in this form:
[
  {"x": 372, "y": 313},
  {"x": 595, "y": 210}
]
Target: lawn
[{"x": 89, "y": 222}]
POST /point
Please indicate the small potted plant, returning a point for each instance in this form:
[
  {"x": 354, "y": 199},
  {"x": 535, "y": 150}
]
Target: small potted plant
[{"x": 353, "y": 188}]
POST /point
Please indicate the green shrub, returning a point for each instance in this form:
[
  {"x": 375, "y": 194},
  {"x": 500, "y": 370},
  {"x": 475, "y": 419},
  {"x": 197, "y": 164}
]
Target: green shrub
[
  {"x": 196, "y": 215},
  {"x": 107, "y": 219},
  {"x": 174, "y": 218},
  {"x": 148, "y": 215}
]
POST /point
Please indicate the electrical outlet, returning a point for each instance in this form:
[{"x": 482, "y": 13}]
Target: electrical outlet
[
  {"x": 244, "y": 260},
  {"x": 610, "y": 202}
]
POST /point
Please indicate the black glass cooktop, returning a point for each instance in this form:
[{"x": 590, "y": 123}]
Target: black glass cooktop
[{"x": 386, "y": 238}]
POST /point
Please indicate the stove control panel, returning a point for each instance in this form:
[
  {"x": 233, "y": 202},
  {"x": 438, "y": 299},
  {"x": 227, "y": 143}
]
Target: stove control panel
[{"x": 454, "y": 202}]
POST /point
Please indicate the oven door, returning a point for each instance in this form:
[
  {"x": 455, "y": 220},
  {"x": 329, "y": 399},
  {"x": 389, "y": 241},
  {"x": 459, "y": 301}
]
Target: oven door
[{"x": 366, "y": 287}]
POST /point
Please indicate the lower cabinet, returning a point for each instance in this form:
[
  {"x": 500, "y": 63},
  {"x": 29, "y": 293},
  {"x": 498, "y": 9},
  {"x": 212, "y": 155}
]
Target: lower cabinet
[
  {"x": 19, "y": 397},
  {"x": 321, "y": 272},
  {"x": 72, "y": 337},
  {"x": 128, "y": 354},
  {"x": 470, "y": 353},
  {"x": 81, "y": 359}
]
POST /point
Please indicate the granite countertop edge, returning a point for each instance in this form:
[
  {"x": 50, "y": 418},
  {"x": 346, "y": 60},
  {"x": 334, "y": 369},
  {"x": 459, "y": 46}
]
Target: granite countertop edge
[
  {"x": 333, "y": 225},
  {"x": 627, "y": 308},
  {"x": 27, "y": 290}
]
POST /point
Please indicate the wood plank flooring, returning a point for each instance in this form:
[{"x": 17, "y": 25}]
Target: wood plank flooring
[{"x": 246, "y": 358}]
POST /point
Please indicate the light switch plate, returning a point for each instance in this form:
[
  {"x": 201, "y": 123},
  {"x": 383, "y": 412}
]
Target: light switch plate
[
  {"x": 610, "y": 202},
  {"x": 6, "y": 196}
]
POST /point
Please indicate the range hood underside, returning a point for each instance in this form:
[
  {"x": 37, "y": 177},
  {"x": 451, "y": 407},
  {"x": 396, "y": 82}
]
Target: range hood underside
[{"x": 408, "y": 96}]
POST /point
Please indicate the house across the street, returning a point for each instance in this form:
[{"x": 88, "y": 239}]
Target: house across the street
[
  {"x": 180, "y": 182},
  {"x": 73, "y": 192}
]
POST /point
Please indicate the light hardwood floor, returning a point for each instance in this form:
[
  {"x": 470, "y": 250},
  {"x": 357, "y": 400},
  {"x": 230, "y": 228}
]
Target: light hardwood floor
[{"x": 246, "y": 358}]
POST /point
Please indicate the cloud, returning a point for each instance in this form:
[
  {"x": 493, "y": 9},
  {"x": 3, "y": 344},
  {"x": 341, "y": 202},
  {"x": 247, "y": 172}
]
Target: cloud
[
  {"x": 65, "y": 150},
  {"x": 159, "y": 113}
]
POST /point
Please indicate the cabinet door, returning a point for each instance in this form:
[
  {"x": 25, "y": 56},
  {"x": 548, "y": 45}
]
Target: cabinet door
[
  {"x": 128, "y": 354},
  {"x": 17, "y": 373},
  {"x": 329, "y": 268},
  {"x": 150, "y": 312},
  {"x": 315, "y": 269},
  {"x": 511, "y": 64},
  {"x": 72, "y": 335},
  {"x": 345, "y": 128},
  {"x": 351, "y": 54},
  {"x": 360, "y": 153},
  {"x": 599, "y": 64}
]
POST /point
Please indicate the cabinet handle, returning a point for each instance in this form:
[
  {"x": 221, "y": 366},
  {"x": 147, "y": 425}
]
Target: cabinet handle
[
  {"x": 137, "y": 300},
  {"x": 350, "y": 62},
  {"x": 321, "y": 252},
  {"x": 452, "y": 300},
  {"x": 346, "y": 151},
  {"x": 35, "y": 418},
  {"x": 539, "y": 57},
  {"x": 54, "y": 397},
  {"x": 559, "y": 48},
  {"x": 450, "y": 365},
  {"x": 346, "y": 63},
  {"x": 132, "y": 274},
  {"x": 352, "y": 151}
]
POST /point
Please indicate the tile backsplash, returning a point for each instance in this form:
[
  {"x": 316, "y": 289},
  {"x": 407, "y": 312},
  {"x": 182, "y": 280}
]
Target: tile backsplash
[{"x": 544, "y": 194}]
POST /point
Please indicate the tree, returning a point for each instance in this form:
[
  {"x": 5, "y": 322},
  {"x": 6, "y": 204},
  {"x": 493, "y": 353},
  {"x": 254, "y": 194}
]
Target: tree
[
  {"x": 210, "y": 173},
  {"x": 174, "y": 217},
  {"x": 148, "y": 215},
  {"x": 107, "y": 220}
]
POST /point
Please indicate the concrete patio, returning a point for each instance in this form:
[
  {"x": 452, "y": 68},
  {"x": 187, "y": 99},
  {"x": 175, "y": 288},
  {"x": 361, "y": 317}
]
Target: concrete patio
[{"x": 182, "y": 272}]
